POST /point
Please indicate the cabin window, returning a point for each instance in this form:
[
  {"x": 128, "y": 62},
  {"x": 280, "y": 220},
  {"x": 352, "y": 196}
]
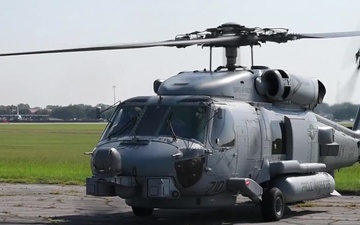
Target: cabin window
[{"x": 278, "y": 138}]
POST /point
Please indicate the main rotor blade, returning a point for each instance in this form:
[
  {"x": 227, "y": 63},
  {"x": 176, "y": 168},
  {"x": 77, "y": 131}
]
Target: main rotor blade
[
  {"x": 328, "y": 35},
  {"x": 168, "y": 43}
]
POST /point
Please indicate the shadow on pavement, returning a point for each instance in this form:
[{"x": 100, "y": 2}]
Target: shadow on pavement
[{"x": 244, "y": 212}]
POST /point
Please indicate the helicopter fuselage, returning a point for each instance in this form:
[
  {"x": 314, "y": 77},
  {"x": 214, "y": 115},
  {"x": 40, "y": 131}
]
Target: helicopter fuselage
[{"x": 199, "y": 144}]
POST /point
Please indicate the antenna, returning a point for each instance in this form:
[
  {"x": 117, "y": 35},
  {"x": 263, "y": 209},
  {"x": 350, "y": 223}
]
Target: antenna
[{"x": 210, "y": 59}]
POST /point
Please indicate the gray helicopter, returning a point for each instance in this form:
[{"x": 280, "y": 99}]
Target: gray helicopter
[{"x": 207, "y": 136}]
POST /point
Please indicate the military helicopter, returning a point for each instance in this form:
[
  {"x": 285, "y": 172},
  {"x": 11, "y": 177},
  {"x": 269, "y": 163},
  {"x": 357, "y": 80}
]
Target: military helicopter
[{"x": 207, "y": 136}]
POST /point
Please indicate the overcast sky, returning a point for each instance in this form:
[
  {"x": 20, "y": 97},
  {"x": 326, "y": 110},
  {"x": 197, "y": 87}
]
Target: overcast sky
[{"x": 73, "y": 78}]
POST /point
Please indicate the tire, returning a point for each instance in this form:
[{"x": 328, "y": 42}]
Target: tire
[
  {"x": 272, "y": 205},
  {"x": 142, "y": 211}
]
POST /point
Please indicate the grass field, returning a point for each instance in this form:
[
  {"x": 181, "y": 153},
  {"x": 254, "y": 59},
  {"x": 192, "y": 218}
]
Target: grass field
[
  {"x": 54, "y": 153},
  {"x": 47, "y": 153},
  {"x": 348, "y": 179}
]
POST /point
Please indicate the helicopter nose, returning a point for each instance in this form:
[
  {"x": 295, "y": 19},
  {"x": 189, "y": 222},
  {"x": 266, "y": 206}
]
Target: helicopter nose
[{"x": 107, "y": 160}]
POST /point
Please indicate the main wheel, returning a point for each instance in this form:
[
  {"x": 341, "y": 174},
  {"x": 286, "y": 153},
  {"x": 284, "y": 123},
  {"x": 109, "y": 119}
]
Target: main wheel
[
  {"x": 272, "y": 205},
  {"x": 142, "y": 211}
]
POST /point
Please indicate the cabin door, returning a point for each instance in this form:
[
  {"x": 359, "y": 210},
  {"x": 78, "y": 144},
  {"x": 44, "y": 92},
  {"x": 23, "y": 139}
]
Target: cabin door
[{"x": 299, "y": 134}]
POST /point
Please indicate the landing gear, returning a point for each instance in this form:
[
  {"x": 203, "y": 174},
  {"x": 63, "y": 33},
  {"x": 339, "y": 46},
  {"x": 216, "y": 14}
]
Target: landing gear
[
  {"x": 272, "y": 205},
  {"x": 142, "y": 211}
]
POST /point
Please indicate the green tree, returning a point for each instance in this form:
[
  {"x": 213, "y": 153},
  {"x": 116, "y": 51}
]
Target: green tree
[
  {"x": 322, "y": 108},
  {"x": 345, "y": 111},
  {"x": 23, "y": 108},
  {"x": 62, "y": 113},
  {"x": 5, "y": 110},
  {"x": 42, "y": 112}
]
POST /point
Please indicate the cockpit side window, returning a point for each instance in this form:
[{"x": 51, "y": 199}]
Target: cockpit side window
[
  {"x": 223, "y": 132},
  {"x": 124, "y": 120}
]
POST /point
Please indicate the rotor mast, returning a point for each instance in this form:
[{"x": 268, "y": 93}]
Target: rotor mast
[{"x": 231, "y": 55}]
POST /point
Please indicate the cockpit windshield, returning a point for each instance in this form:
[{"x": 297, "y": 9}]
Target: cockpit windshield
[
  {"x": 180, "y": 121},
  {"x": 185, "y": 121}
]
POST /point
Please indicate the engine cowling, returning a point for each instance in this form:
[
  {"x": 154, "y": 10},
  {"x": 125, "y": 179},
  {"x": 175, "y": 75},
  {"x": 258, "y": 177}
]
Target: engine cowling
[{"x": 280, "y": 86}]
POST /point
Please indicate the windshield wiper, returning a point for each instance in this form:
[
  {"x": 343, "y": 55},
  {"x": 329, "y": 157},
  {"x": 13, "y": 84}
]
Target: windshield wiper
[
  {"x": 168, "y": 121},
  {"x": 119, "y": 130}
]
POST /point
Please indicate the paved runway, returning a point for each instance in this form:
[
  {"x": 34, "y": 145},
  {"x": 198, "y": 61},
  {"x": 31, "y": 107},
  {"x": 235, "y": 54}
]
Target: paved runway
[{"x": 68, "y": 205}]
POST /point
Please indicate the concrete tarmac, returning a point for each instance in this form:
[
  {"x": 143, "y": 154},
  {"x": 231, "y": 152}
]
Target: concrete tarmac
[{"x": 68, "y": 205}]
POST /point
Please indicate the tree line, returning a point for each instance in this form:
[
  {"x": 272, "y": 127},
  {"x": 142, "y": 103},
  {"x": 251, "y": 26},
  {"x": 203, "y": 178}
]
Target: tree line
[
  {"x": 337, "y": 112},
  {"x": 77, "y": 112}
]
